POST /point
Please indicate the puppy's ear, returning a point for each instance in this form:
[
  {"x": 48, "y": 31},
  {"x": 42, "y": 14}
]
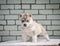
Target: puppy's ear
[
  {"x": 30, "y": 15},
  {"x": 20, "y": 15}
]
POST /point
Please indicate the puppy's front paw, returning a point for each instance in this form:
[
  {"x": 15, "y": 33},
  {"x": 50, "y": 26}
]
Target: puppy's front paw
[{"x": 34, "y": 39}]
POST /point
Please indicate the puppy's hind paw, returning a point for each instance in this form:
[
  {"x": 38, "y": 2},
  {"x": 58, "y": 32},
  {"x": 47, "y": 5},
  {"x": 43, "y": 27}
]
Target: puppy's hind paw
[{"x": 48, "y": 39}]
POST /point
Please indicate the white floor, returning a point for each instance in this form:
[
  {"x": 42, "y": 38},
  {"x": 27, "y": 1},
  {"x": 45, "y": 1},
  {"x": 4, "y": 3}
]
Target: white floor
[{"x": 40, "y": 42}]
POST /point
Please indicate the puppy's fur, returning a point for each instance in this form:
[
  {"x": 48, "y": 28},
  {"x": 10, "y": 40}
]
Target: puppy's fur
[{"x": 31, "y": 29}]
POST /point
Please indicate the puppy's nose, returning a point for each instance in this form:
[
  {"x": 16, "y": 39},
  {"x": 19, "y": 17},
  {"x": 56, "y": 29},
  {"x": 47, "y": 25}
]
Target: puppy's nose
[{"x": 25, "y": 25}]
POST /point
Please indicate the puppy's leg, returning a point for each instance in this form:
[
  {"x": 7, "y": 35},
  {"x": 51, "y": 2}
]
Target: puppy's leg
[
  {"x": 45, "y": 34},
  {"x": 47, "y": 37},
  {"x": 34, "y": 39},
  {"x": 24, "y": 37}
]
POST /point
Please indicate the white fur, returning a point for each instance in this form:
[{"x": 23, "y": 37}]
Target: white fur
[{"x": 33, "y": 30}]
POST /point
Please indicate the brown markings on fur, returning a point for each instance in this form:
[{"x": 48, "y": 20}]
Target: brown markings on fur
[{"x": 26, "y": 17}]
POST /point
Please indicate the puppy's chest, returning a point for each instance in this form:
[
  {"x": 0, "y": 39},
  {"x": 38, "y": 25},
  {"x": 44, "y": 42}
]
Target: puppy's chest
[{"x": 30, "y": 31}]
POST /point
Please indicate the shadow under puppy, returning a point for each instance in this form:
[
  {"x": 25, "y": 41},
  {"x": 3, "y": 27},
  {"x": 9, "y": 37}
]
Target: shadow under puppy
[{"x": 31, "y": 29}]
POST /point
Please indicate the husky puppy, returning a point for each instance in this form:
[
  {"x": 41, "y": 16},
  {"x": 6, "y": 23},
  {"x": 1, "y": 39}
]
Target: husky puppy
[{"x": 31, "y": 29}]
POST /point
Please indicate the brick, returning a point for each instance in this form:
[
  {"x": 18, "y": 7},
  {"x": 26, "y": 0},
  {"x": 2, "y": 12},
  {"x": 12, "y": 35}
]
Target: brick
[
  {"x": 42, "y": 1},
  {"x": 1, "y": 17},
  {"x": 19, "y": 28},
  {"x": 17, "y": 6},
  {"x": 4, "y": 11},
  {"x": 38, "y": 7},
  {"x": 56, "y": 32},
  {"x": 2, "y": 1},
  {"x": 16, "y": 11},
  {"x": 1, "y": 27},
  {"x": 28, "y": 1},
  {"x": 45, "y": 22},
  {"x": 53, "y": 17},
  {"x": 49, "y": 32},
  {"x": 44, "y": 26},
  {"x": 10, "y": 27},
  {"x": 55, "y": 1},
  {"x": 45, "y": 11},
  {"x": 52, "y": 6},
  {"x": 10, "y": 22},
  {"x": 56, "y": 11},
  {"x": 4, "y": 33},
  {"x": 13, "y": 2},
  {"x": 11, "y": 17},
  {"x": 39, "y": 17},
  {"x": 0, "y": 38},
  {"x": 19, "y": 38},
  {"x": 25, "y": 6},
  {"x": 2, "y": 22},
  {"x": 8, "y": 38},
  {"x": 54, "y": 37},
  {"x": 55, "y": 22},
  {"x": 7, "y": 6},
  {"x": 15, "y": 32},
  {"x": 31, "y": 11},
  {"x": 53, "y": 27},
  {"x": 18, "y": 22}
]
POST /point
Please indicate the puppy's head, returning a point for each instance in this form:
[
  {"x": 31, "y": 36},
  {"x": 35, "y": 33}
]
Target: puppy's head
[{"x": 26, "y": 19}]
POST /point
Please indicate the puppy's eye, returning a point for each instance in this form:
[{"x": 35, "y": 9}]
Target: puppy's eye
[
  {"x": 27, "y": 20},
  {"x": 22, "y": 21}
]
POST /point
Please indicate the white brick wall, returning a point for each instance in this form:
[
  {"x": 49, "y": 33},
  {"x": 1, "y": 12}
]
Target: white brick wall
[
  {"x": 52, "y": 6},
  {"x": 10, "y": 27},
  {"x": 13, "y": 1},
  {"x": 49, "y": 32},
  {"x": 53, "y": 27},
  {"x": 18, "y": 22},
  {"x": 55, "y": 22},
  {"x": 56, "y": 32},
  {"x": 1, "y": 17},
  {"x": 2, "y": 22},
  {"x": 19, "y": 28},
  {"x": 25, "y": 6},
  {"x": 4, "y": 33},
  {"x": 17, "y": 6},
  {"x": 2, "y": 1},
  {"x": 39, "y": 17},
  {"x": 53, "y": 16},
  {"x": 45, "y": 22},
  {"x": 7, "y": 6},
  {"x": 11, "y": 17},
  {"x": 10, "y": 22},
  {"x": 42, "y": 1},
  {"x": 0, "y": 38},
  {"x": 38, "y": 7},
  {"x": 56, "y": 12},
  {"x": 16, "y": 11},
  {"x": 45, "y": 12},
  {"x": 1, "y": 27},
  {"x": 4, "y": 11},
  {"x": 15, "y": 33},
  {"x": 55, "y": 1},
  {"x": 31, "y": 11},
  {"x": 8, "y": 38},
  {"x": 28, "y": 1},
  {"x": 19, "y": 38}
]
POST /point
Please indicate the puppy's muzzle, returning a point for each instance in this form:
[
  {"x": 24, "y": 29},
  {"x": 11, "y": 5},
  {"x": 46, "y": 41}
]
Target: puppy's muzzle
[{"x": 25, "y": 25}]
